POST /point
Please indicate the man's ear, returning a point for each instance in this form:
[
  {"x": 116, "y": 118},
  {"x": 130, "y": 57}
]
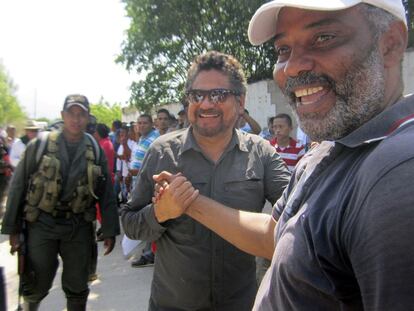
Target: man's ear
[{"x": 393, "y": 44}]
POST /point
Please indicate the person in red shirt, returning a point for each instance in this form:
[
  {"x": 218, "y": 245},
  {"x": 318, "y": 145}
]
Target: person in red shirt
[
  {"x": 102, "y": 137},
  {"x": 288, "y": 148}
]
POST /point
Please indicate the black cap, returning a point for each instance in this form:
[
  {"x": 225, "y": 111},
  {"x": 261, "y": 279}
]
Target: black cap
[{"x": 76, "y": 100}]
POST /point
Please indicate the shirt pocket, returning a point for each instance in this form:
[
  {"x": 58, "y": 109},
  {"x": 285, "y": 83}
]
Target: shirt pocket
[
  {"x": 182, "y": 231},
  {"x": 244, "y": 190},
  {"x": 200, "y": 181}
]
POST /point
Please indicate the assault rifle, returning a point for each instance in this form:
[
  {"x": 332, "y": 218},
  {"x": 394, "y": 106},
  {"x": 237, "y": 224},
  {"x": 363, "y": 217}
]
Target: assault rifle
[{"x": 21, "y": 264}]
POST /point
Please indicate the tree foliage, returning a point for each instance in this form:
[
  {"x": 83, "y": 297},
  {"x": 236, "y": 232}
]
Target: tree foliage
[
  {"x": 165, "y": 36},
  {"x": 10, "y": 110},
  {"x": 43, "y": 119},
  {"x": 409, "y": 6},
  {"x": 105, "y": 112}
]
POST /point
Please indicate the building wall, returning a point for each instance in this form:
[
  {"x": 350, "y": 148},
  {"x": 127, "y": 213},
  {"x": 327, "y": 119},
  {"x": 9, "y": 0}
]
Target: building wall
[
  {"x": 408, "y": 72},
  {"x": 264, "y": 100},
  {"x": 131, "y": 113},
  {"x": 259, "y": 101}
]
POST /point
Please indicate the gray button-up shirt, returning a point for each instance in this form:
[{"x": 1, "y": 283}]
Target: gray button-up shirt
[{"x": 195, "y": 268}]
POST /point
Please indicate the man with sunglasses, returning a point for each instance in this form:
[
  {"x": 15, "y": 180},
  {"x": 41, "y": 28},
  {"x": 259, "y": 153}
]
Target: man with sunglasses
[
  {"x": 340, "y": 238},
  {"x": 195, "y": 269}
]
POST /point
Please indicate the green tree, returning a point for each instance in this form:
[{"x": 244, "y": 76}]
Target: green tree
[
  {"x": 43, "y": 119},
  {"x": 10, "y": 110},
  {"x": 105, "y": 112},
  {"x": 165, "y": 36}
]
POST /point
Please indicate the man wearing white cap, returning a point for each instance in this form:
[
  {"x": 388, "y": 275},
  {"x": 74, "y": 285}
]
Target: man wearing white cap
[{"x": 340, "y": 237}]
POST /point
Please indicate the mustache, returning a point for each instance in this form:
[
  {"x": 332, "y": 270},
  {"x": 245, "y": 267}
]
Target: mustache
[
  {"x": 208, "y": 111},
  {"x": 305, "y": 78}
]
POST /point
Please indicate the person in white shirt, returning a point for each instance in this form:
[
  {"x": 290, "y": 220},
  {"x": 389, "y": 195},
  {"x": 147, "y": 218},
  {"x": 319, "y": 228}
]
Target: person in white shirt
[
  {"x": 19, "y": 146},
  {"x": 122, "y": 161}
]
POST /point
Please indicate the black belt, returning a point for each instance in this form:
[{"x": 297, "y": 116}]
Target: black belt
[
  {"x": 62, "y": 214},
  {"x": 66, "y": 214}
]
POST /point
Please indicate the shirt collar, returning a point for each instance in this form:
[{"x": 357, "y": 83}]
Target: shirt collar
[
  {"x": 382, "y": 125},
  {"x": 292, "y": 143},
  {"x": 239, "y": 139},
  {"x": 189, "y": 141},
  {"x": 150, "y": 133}
]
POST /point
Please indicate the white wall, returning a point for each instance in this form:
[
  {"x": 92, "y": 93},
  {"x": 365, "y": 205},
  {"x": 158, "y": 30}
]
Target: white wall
[
  {"x": 259, "y": 102},
  {"x": 408, "y": 71},
  {"x": 265, "y": 100},
  {"x": 131, "y": 113}
]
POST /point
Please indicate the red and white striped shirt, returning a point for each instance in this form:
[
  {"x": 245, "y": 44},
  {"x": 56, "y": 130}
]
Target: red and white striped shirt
[{"x": 291, "y": 154}]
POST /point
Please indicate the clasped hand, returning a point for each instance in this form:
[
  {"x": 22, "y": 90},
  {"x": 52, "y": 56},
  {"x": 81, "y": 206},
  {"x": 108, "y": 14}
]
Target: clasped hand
[{"x": 173, "y": 194}]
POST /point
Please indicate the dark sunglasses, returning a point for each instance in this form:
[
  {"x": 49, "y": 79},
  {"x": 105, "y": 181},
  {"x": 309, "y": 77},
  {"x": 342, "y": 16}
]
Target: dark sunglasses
[{"x": 215, "y": 96}]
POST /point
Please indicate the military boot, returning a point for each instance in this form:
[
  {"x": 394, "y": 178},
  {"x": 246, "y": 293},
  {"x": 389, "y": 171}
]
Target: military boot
[
  {"x": 76, "y": 305},
  {"x": 30, "y": 306}
]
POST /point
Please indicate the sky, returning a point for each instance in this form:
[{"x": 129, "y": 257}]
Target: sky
[{"x": 52, "y": 48}]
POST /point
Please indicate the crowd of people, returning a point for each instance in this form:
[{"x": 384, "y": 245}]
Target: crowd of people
[
  {"x": 125, "y": 150},
  {"x": 125, "y": 146},
  {"x": 338, "y": 236}
]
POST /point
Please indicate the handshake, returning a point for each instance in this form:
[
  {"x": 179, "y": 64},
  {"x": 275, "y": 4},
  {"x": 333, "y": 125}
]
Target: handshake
[{"x": 173, "y": 195}]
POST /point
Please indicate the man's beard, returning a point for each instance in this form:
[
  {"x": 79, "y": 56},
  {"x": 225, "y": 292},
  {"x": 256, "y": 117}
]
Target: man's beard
[
  {"x": 360, "y": 96},
  {"x": 212, "y": 131},
  {"x": 208, "y": 132}
]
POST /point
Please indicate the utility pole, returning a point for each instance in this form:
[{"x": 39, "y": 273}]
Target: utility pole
[{"x": 35, "y": 103}]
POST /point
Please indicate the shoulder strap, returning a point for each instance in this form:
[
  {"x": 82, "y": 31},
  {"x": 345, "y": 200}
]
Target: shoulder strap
[
  {"x": 92, "y": 156},
  {"x": 42, "y": 146},
  {"x": 96, "y": 148},
  {"x": 43, "y": 138}
]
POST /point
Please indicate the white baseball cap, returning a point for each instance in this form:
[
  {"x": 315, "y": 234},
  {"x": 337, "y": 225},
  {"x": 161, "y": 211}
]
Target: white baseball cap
[{"x": 262, "y": 26}]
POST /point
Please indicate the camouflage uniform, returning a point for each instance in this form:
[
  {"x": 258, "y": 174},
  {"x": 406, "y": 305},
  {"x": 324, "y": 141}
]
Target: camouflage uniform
[{"x": 67, "y": 234}]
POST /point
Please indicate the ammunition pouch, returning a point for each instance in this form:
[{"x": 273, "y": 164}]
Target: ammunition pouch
[
  {"x": 89, "y": 214},
  {"x": 36, "y": 189},
  {"x": 82, "y": 199},
  {"x": 31, "y": 213},
  {"x": 46, "y": 184}
]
